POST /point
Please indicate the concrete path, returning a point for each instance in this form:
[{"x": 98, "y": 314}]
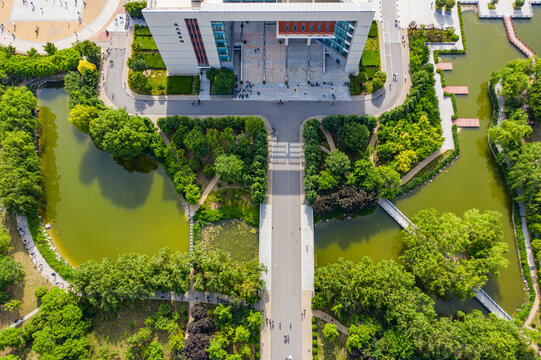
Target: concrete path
[
  {"x": 329, "y": 138},
  {"x": 420, "y": 166},
  {"x": 36, "y": 256},
  {"x": 329, "y": 319},
  {"x": 26, "y": 317},
  {"x": 206, "y": 192}
]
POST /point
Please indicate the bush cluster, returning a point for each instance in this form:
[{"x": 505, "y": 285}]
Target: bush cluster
[{"x": 238, "y": 145}]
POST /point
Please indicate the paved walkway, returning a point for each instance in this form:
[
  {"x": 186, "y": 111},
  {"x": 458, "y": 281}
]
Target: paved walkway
[
  {"x": 329, "y": 138},
  {"x": 205, "y": 194},
  {"x": 329, "y": 319},
  {"x": 36, "y": 256},
  {"x": 26, "y": 317},
  {"x": 503, "y": 8},
  {"x": 420, "y": 166},
  {"x": 513, "y": 38}
]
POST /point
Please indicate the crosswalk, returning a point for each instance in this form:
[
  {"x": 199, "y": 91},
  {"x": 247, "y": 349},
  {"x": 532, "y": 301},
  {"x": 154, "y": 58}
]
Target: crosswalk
[{"x": 286, "y": 153}]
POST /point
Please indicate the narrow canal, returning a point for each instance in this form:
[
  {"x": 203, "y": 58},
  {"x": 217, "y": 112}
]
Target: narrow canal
[
  {"x": 473, "y": 181},
  {"x": 97, "y": 207}
]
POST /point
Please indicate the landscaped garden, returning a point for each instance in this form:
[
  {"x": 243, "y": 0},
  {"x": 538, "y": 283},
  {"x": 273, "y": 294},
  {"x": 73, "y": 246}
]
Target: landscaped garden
[
  {"x": 370, "y": 77},
  {"x": 347, "y": 180},
  {"x": 148, "y": 75}
]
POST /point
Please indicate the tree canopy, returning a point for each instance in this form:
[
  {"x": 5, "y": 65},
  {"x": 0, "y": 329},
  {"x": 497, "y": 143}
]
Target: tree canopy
[
  {"x": 120, "y": 134},
  {"x": 454, "y": 256}
]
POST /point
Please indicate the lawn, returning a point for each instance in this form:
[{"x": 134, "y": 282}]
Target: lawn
[
  {"x": 142, "y": 30},
  {"x": 32, "y": 277},
  {"x": 146, "y": 42},
  {"x": 173, "y": 85},
  {"x": 370, "y": 58},
  {"x": 111, "y": 331},
  {"x": 229, "y": 203},
  {"x": 153, "y": 60},
  {"x": 369, "y": 64}
]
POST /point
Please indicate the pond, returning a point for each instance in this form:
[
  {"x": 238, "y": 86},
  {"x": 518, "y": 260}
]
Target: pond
[
  {"x": 235, "y": 237},
  {"x": 472, "y": 181},
  {"x": 96, "y": 206}
]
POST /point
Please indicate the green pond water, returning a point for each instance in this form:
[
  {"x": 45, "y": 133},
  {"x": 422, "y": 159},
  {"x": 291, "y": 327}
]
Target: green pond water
[
  {"x": 96, "y": 206},
  {"x": 235, "y": 237},
  {"x": 472, "y": 181},
  {"x": 529, "y": 30}
]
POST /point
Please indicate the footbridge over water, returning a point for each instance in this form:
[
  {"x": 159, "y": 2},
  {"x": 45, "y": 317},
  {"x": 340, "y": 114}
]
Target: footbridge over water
[{"x": 480, "y": 294}]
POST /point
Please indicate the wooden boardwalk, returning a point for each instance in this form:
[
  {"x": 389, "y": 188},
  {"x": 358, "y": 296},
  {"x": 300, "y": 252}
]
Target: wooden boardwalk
[
  {"x": 457, "y": 90},
  {"x": 467, "y": 123},
  {"x": 445, "y": 66},
  {"x": 512, "y": 35},
  {"x": 480, "y": 295}
]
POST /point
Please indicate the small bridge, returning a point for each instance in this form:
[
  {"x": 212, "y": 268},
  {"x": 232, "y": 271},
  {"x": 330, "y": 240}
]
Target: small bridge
[
  {"x": 513, "y": 38},
  {"x": 396, "y": 214},
  {"x": 480, "y": 294},
  {"x": 491, "y": 305}
]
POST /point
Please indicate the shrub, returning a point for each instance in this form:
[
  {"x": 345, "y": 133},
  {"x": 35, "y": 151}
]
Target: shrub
[
  {"x": 224, "y": 82},
  {"x": 208, "y": 171},
  {"x": 373, "y": 30},
  {"x": 314, "y": 343},
  {"x": 134, "y": 8},
  {"x": 314, "y": 327}
]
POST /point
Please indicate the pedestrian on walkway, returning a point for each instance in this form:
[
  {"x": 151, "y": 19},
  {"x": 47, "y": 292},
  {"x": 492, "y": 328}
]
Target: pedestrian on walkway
[{"x": 14, "y": 27}]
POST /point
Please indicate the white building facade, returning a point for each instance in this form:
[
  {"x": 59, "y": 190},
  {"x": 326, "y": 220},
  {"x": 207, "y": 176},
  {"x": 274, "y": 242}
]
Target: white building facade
[{"x": 193, "y": 35}]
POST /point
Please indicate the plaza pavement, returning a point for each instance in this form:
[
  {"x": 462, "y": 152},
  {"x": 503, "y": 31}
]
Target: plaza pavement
[{"x": 59, "y": 21}]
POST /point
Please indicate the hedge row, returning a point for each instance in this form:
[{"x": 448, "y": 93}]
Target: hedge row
[{"x": 412, "y": 184}]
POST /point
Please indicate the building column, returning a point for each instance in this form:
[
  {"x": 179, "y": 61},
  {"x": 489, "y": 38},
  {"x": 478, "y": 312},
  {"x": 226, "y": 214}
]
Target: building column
[
  {"x": 287, "y": 41},
  {"x": 308, "y": 41}
]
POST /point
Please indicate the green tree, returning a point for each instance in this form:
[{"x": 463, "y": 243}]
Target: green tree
[
  {"x": 509, "y": 133},
  {"x": 81, "y": 116},
  {"x": 50, "y": 48},
  {"x": 534, "y": 99},
  {"x": 195, "y": 142},
  {"x": 254, "y": 125},
  {"x": 449, "y": 4},
  {"x": 120, "y": 134},
  {"x": 216, "y": 349},
  {"x": 440, "y": 4},
  {"x": 137, "y": 63},
  {"x": 330, "y": 331},
  {"x": 241, "y": 334},
  {"x": 12, "y": 305},
  {"x": 17, "y": 110},
  {"x": 32, "y": 52},
  {"x": 5, "y": 241},
  {"x": 390, "y": 179},
  {"x": 224, "y": 82},
  {"x": 222, "y": 315},
  {"x": 11, "y": 337},
  {"x": 360, "y": 335},
  {"x": 89, "y": 50},
  {"x": 135, "y": 8},
  {"x": 20, "y": 176},
  {"x": 355, "y": 137},
  {"x": 138, "y": 80},
  {"x": 193, "y": 194},
  {"x": 154, "y": 351},
  {"x": 326, "y": 180},
  {"x": 254, "y": 321},
  {"x": 453, "y": 256},
  {"x": 337, "y": 163},
  {"x": 229, "y": 167}
]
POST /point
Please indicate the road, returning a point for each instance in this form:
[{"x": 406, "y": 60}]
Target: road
[{"x": 286, "y": 292}]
